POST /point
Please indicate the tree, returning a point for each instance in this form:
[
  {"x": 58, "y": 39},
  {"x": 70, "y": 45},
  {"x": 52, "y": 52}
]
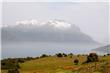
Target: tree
[
  {"x": 21, "y": 60},
  {"x": 70, "y": 55},
  {"x": 59, "y": 55},
  {"x": 92, "y": 57},
  {"x": 76, "y": 61},
  {"x": 43, "y": 55},
  {"x": 64, "y": 55},
  {"x": 9, "y": 64},
  {"x": 29, "y": 58}
]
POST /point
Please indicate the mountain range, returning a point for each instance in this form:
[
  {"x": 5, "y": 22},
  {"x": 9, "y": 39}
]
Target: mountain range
[{"x": 50, "y": 31}]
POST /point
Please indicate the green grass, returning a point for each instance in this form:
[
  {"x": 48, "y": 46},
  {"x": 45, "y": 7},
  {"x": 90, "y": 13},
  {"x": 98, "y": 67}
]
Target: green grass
[
  {"x": 48, "y": 64},
  {"x": 61, "y": 65}
]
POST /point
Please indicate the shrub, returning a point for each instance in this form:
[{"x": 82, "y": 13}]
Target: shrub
[
  {"x": 17, "y": 66},
  {"x": 104, "y": 55},
  {"x": 59, "y": 55},
  {"x": 92, "y": 57},
  {"x": 3, "y": 64},
  {"x": 21, "y": 60},
  {"x": 13, "y": 70},
  {"x": 76, "y": 61},
  {"x": 36, "y": 57},
  {"x": 78, "y": 55},
  {"x": 43, "y": 56},
  {"x": 65, "y": 55},
  {"x": 29, "y": 58},
  {"x": 70, "y": 55},
  {"x": 108, "y": 54},
  {"x": 9, "y": 64},
  {"x": 50, "y": 55}
]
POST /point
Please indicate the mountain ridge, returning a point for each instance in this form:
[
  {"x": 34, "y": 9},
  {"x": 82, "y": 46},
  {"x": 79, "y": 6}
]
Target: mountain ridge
[
  {"x": 53, "y": 31},
  {"x": 104, "y": 49}
]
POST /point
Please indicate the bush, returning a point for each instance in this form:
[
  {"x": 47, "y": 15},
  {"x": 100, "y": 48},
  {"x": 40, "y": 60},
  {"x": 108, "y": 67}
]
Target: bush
[
  {"x": 36, "y": 57},
  {"x": 78, "y": 55},
  {"x": 3, "y": 64},
  {"x": 76, "y": 61},
  {"x": 108, "y": 54},
  {"x": 13, "y": 71},
  {"x": 70, "y": 55},
  {"x": 43, "y": 56},
  {"x": 17, "y": 66},
  {"x": 92, "y": 57},
  {"x": 59, "y": 55},
  {"x": 9, "y": 64},
  {"x": 29, "y": 58},
  {"x": 65, "y": 55},
  {"x": 21, "y": 60}
]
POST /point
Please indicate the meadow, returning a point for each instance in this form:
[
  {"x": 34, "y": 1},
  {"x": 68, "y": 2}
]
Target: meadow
[{"x": 54, "y": 64}]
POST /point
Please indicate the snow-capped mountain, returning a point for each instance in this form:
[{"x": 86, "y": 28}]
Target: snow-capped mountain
[{"x": 50, "y": 31}]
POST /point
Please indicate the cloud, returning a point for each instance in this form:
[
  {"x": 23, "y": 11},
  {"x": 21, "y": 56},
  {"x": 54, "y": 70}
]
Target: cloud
[
  {"x": 55, "y": 0},
  {"x": 60, "y": 24},
  {"x": 27, "y": 22}
]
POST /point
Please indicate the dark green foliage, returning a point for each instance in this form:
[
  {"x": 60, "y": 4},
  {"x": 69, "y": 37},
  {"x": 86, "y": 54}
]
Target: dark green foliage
[
  {"x": 12, "y": 63},
  {"x": 104, "y": 55},
  {"x": 43, "y": 56},
  {"x": 108, "y": 54},
  {"x": 49, "y": 55},
  {"x": 78, "y": 55},
  {"x": 92, "y": 57},
  {"x": 9, "y": 64},
  {"x": 70, "y": 55},
  {"x": 59, "y": 55},
  {"x": 17, "y": 66},
  {"x": 13, "y": 70},
  {"x": 36, "y": 57},
  {"x": 65, "y": 55},
  {"x": 76, "y": 61},
  {"x": 29, "y": 58},
  {"x": 3, "y": 64},
  {"x": 20, "y": 60}
]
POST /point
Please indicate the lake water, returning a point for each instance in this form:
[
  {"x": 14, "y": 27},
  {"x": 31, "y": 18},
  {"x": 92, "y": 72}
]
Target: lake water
[{"x": 24, "y": 49}]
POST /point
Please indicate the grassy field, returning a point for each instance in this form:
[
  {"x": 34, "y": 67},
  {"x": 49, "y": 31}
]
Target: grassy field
[{"x": 64, "y": 65}]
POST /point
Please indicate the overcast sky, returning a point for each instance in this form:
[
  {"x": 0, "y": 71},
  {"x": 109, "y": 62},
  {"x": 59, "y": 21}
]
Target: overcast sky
[
  {"x": 91, "y": 17},
  {"x": 55, "y": 0}
]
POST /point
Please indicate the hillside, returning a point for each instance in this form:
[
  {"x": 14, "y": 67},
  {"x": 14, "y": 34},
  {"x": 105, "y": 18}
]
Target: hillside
[
  {"x": 103, "y": 49},
  {"x": 63, "y": 65}
]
